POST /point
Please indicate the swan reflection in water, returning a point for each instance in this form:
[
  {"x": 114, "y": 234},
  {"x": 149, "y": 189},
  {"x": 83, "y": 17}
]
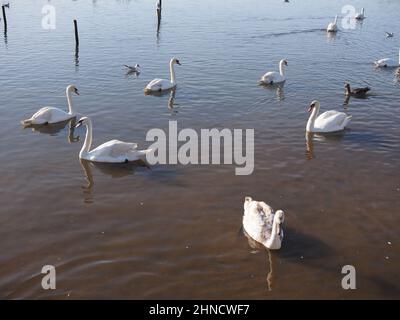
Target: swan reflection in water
[
  {"x": 54, "y": 128},
  {"x": 259, "y": 247},
  {"x": 331, "y": 37},
  {"x": 278, "y": 88},
  {"x": 115, "y": 170},
  {"x": 171, "y": 100},
  {"x": 311, "y": 136}
]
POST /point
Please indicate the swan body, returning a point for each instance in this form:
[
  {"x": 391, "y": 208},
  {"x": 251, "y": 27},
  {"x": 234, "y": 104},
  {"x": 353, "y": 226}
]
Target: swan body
[
  {"x": 274, "y": 77},
  {"x": 332, "y": 27},
  {"x": 389, "y": 34},
  {"x": 388, "y": 62},
  {"x": 113, "y": 151},
  {"x": 48, "y": 115},
  {"x": 158, "y": 85},
  {"x": 360, "y": 15},
  {"x": 262, "y": 224},
  {"x": 329, "y": 121}
]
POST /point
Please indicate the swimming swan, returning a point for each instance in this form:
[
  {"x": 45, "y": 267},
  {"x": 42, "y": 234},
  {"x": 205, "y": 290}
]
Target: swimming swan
[
  {"x": 158, "y": 85},
  {"x": 48, "y": 115},
  {"x": 262, "y": 224},
  {"x": 388, "y": 62},
  {"x": 113, "y": 151},
  {"x": 332, "y": 27},
  {"x": 274, "y": 77},
  {"x": 329, "y": 121}
]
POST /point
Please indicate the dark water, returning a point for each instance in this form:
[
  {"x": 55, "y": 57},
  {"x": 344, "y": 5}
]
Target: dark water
[{"x": 175, "y": 231}]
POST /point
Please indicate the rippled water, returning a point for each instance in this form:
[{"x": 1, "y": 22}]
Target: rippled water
[{"x": 175, "y": 231}]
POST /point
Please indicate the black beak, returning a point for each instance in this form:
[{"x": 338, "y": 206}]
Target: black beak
[
  {"x": 178, "y": 62},
  {"x": 76, "y": 91}
]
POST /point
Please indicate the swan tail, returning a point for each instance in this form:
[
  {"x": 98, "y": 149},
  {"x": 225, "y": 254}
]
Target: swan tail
[{"x": 27, "y": 122}]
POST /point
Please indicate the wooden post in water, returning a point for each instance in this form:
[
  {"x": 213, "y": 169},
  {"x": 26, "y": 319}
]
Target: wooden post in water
[
  {"x": 76, "y": 34},
  {"x": 159, "y": 4},
  {"x": 4, "y": 18}
]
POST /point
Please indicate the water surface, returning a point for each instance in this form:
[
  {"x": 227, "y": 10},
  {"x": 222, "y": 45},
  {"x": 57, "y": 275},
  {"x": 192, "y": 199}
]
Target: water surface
[{"x": 175, "y": 231}]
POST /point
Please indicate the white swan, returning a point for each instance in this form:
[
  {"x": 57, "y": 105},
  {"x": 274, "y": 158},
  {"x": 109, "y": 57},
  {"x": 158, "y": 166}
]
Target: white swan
[
  {"x": 360, "y": 15},
  {"x": 262, "y": 224},
  {"x": 387, "y": 62},
  {"x": 158, "y": 85},
  {"x": 274, "y": 77},
  {"x": 329, "y": 121},
  {"x": 113, "y": 151},
  {"x": 48, "y": 115},
  {"x": 332, "y": 27}
]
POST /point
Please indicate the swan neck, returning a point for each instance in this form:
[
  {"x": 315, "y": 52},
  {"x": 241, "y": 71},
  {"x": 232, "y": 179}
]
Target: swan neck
[
  {"x": 88, "y": 140},
  {"x": 311, "y": 120},
  {"x": 172, "y": 72},
  {"x": 271, "y": 242},
  {"x": 281, "y": 68},
  {"x": 336, "y": 17},
  {"x": 69, "y": 100}
]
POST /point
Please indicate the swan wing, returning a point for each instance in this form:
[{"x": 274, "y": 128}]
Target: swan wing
[
  {"x": 387, "y": 62},
  {"x": 50, "y": 115},
  {"x": 331, "y": 121},
  {"x": 272, "y": 76},
  {"x": 257, "y": 221},
  {"x": 331, "y": 26},
  {"x": 116, "y": 151},
  {"x": 43, "y": 115},
  {"x": 159, "y": 84}
]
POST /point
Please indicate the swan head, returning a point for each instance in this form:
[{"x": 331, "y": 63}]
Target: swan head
[
  {"x": 247, "y": 201},
  {"x": 83, "y": 120},
  {"x": 314, "y": 104},
  {"x": 279, "y": 217},
  {"x": 283, "y": 62},
  {"x": 175, "y": 61},
  {"x": 71, "y": 88}
]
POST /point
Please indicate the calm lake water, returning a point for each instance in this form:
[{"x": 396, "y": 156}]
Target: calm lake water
[{"x": 174, "y": 231}]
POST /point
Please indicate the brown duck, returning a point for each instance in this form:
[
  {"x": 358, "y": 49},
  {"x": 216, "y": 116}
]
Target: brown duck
[{"x": 356, "y": 92}]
